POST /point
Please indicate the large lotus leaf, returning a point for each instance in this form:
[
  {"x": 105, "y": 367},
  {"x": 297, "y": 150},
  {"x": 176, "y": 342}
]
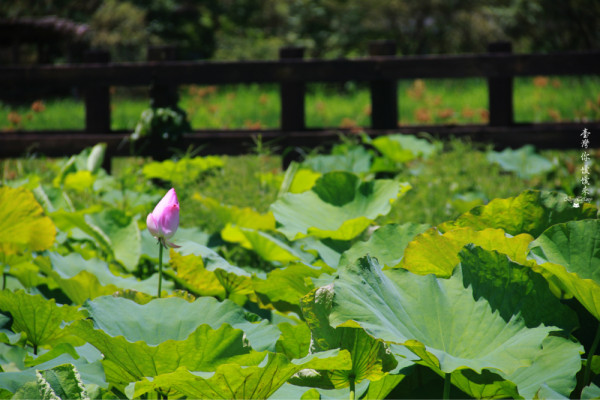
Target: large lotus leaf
[
  {"x": 571, "y": 252},
  {"x": 145, "y": 340},
  {"x": 328, "y": 250},
  {"x": 123, "y": 233},
  {"x": 289, "y": 391},
  {"x": 22, "y": 222},
  {"x": 339, "y": 206},
  {"x": 200, "y": 267},
  {"x": 509, "y": 286},
  {"x": 530, "y": 212},
  {"x": 432, "y": 316},
  {"x": 79, "y": 226},
  {"x": 295, "y": 278},
  {"x": 60, "y": 382},
  {"x": 231, "y": 381},
  {"x": 551, "y": 375},
  {"x": 122, "y": 317},
  {"x": 189, "y": 271},
  {"x": 71, "y": 266},
  {"x": 91, "y": 372},
  {"x": 202, "y": 350},
  {"x": 434, "y": 253},
  {"x": 356, "y": 160},
  {"x": 294, "y": 341},
  {"x": 243, "y": 217},
  {"x": 266, "y": 246},
  {"x": 370, "y": 358},
  {"x": 378, "y": 245},
  {"x": 524, "y": 161},
  {"x": 401, "y": 148},
  {"x": 38, "y": 318},
  {"x": 590, "y": 392},
  {"x": 82, "y": 279}
]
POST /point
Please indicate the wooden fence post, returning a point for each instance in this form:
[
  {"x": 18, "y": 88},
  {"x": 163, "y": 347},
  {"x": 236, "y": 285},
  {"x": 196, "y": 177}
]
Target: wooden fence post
[
  {"x": 161, "y": 94},
  {"x": 97, "y": 103},
  {"x": 97, "y": 97},
  {"x": 292, "y": 95},
  {"x": 384, "y": 93},
  {"x": 500, "y": 91}
]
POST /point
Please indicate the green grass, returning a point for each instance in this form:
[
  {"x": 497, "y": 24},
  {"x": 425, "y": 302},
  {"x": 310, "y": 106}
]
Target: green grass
[{"x": 432, "y": 101}]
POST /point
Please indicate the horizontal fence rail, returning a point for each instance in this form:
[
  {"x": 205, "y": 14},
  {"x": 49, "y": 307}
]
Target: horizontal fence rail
[{"x": 382, "y": 70}]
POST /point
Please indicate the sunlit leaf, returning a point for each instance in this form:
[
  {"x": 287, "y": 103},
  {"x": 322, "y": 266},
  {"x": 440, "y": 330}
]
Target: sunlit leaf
[
  {"x": 244, "y": 217},
  {"x": 434, "y": 253},
  {"x": 22, "y": 222},
  {"x": 231, "y": 381},
  {"x": 266, "y": 246},
  {"x": 530, "y": 212},
  {"x": 402, "y": 148}
]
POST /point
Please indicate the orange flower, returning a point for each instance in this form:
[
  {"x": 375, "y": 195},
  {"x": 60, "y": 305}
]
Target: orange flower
[
  {"x": 445, "y": 113},
  {"x": 14, "y": 118},
  {"x": 422, "y": 115},
  {"x": 467, "y": 113},
  {"x": 540, "y": 81},
  {"x": 484, "y": 115},
  {"x": 38, "y": 106}
]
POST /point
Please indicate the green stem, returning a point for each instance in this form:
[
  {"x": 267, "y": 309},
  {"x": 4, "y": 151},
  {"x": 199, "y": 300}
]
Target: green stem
[
  {"x": 447, "y": 379},
  {"x": 352, "y": 387},
  {"x": 160, "y": 251},
  {"x": 588, "y": 364},
  {"x": 35, "y": 349}
]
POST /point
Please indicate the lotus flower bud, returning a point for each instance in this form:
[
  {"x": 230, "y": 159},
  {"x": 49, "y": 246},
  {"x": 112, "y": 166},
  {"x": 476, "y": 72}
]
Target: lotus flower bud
[{"x": 163, "y": 221}]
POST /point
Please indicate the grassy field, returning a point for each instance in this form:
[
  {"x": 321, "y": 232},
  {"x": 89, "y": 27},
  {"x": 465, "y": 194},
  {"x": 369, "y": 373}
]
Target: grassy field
[{"x": 441, "y": 101}]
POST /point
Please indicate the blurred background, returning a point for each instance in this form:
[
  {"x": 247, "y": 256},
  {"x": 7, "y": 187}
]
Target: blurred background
[{"x": 256, "y": 29}]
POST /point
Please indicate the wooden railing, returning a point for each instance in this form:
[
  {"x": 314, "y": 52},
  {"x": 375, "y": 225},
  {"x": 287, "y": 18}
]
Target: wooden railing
[{"x": 382, "y": 69}]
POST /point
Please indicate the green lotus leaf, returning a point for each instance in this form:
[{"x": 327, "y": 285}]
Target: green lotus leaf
[
  {"x": 136, "y": 341},
  {"x": 114, "y": 233},
  {"x": 523, "y": 161},
  {"x": 182, "y": 171},
  {"x": 434, "y": 253},
  {"x": 356, "y": 160},
  {"x": 266, "y": 246},
  {"x": 200, "y": 267},
  {"x": 328, "y": 250},
  {"x": 295, "y": 278},
  {"x": 339, "y": 206},
  {"x": 370, "y": 358},
  {"x": 62, "y": 381},
  {"x": 590, "y": 392},
  {"x": 243, "y": 217},
  {"x": 82, "y": 279},
  {"x": 508, "y": 286},
  {"x": 530, "y": 212},
  {"x": 22, "y": 222},
  {"x": 122, "y": 317},
  {"x": 571, "y": 252},
  {"x": 294, "y": 341},
  {"x": 402, "y": 148},
  {"x": 189, "y": 271},
  {"x": 432, "y": 316},
  {"x": 381, "y": 388},
  {"x": 231, "y": 381},
  {"x": 38, "y": 318},
  {"x": 90, "y": 372},
  {"x": 123, "y": 233},
  {"x": 289, "y": 391},
  {"x": 378, "y": 245}
]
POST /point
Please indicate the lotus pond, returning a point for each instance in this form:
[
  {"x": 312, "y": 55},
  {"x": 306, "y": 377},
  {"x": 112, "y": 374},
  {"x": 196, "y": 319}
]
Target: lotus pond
[{"x": 371, "y": 271}]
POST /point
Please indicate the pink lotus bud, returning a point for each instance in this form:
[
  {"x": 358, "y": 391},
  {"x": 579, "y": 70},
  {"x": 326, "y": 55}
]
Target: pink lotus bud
[{"x": 163, "y": 221}]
